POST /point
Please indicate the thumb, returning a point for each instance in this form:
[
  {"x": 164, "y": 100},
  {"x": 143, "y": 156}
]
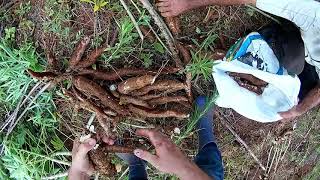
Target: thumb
[
  {"x": 147, "y": 156},
  {"x": 85, "y": 147}
]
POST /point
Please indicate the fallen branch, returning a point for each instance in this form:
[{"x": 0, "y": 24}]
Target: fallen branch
[
  {"x": 157, "y": 114},
  {"x": 132, "y": 19},
  {"x": 165, "y": 31},
  {"x": 226, "y": 124},
  {"x": 135, "y": 83}
]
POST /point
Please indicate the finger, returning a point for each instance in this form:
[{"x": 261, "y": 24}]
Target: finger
[
  {"x": 85, "y": 147},
  {"x": 108, "y": 140},
  {"x": 155, "y": 137},
  {"x": 147, "y": 156}
]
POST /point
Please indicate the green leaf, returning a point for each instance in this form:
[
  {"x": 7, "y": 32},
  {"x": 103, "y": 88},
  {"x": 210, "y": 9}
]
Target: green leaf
[
  {"x": 158, "y": 47},
  {"x": 88, "y": 1},
  {"x": 96, "y": 8},
  {"x": 57, "y": 143}
]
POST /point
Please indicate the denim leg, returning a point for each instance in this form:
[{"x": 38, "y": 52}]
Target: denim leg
[
  {"x": 209, "y": 157},
  {"x": 137, "y": 167}
]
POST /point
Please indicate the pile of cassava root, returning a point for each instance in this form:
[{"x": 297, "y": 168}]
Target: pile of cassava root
[{"x": 123, "y": 93}]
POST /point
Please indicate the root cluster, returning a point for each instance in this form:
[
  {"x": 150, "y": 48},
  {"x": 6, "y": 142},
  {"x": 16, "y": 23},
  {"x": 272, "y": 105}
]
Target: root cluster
[{"x": 119, "y": 94}]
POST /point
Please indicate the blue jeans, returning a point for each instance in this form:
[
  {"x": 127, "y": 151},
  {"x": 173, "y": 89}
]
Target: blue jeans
[{"x": 208, "y": 158}]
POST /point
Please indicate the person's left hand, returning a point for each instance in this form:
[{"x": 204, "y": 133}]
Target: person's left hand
[
  {"x": 80, "y": 161},
  {"x": 81, "y": 168}
]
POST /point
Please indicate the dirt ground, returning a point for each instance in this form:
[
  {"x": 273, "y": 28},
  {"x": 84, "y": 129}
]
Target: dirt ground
[{"x": 229, "y": 24}]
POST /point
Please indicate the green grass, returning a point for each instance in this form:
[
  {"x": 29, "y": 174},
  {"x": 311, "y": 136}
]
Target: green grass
[{"x": 27, "y": 153}]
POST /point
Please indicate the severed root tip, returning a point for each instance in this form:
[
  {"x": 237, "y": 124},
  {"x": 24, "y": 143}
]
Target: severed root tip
[
  {"x": 91, "y": 58},
  {"x": 168, "y": 86},
  {"x": 42, "y": 75},
  {"x": 124, "y": 100},
  {"x": 157, "y": 114},
  {"x": 113, "y": 90},
  {"x": 135, "y": 83}
]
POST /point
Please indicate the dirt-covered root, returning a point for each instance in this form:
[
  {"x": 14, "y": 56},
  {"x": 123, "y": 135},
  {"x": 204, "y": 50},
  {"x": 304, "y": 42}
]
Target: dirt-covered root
[
  {"x": 91, "y": 58},
  {"x": 53, "y": 64},
  {"x": 91, "y": 88},
  {"x": 184, "y": 52},
  {"x": 120, "y": 73},
  {"x": 146, "y": 31},
  {"x": 143, "y": 112},
  {"x": 168, "y": 99},
  {"x": 101, "y": 162},
  {"x": 248, "y": 77},
  {"x": 135, "y": 83},
  {"x": 174, "y": 25},
  {"x": 78, "y": 52},
  {"x": 42, "y": 75},
  {"x": 161, "y": 85},
  {"x": 124, "y": 100}
]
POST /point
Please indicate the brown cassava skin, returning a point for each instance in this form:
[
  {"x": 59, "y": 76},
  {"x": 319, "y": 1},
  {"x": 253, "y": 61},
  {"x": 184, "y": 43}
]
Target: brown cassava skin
[
  {"x": 101, "y": 162},
  {"x": 147, "y": 33},
  {"x": 143, "y": 112},
  {"x": 167, "y": 99},
  {"x": 173, "y": 24},
  {"x": 119, "y": 73},
  {"x": 253, "y": 80},
  {"x": 42, "y": 75},
  {"x": 91, "y": 88},
  {"x": 78, "y": 52},
  {"x": 133, "y": 100},
  {"x": 163, "y": 85},
  {"x": 135, "y": 83},
  {"x": 91, "y": 58},
  {"x": 185, "y": 53}
]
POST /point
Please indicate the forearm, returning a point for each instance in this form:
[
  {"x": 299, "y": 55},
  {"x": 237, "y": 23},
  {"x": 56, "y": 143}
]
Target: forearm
[
  {"x": 191, "y": 172},
  {"x": 310, "y": 101}
]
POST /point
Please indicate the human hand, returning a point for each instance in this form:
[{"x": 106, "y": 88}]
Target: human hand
[
  {"x": 168, "y": 157},
  {"x": 81, "y": 167}
]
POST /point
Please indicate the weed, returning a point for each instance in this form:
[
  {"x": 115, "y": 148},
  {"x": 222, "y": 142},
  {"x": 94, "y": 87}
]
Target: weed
[
  {"x": 200, "y": 66},
  {"x": 97, "y": 4},
  {"x": 26, "y": 151},
  {"x": 24, "y": 8},
  {"x": 58, "y": 14},
  {"x": 125, "y": 40},
  {"x": 195, "y": 117}
]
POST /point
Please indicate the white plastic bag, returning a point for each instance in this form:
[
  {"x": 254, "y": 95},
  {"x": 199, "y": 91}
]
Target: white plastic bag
[{"x": 281, "y": 94}]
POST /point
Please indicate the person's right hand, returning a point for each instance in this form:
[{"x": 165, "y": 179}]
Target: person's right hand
[{"x": 168, "y": 158}]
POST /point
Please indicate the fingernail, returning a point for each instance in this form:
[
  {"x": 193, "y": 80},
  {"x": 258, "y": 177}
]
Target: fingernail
[
  {"x": 137, "y": 152},
  {"x": 92, "y": 142}
]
